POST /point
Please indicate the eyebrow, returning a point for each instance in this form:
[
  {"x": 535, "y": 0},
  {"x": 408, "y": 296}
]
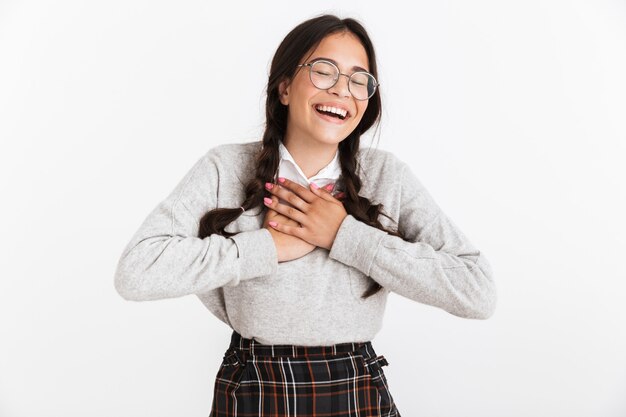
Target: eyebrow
[{"x": 354, "y": 68}]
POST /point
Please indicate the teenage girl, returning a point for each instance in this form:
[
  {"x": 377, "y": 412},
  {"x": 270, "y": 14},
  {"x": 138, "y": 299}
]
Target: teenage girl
[{"x": 295, "y": 241}]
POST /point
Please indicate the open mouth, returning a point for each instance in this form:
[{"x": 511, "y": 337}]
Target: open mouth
[{"x": 332, "y": 112}]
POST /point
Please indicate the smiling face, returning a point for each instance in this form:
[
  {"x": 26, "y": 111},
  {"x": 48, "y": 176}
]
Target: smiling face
[{"x": 304, "y": 121}]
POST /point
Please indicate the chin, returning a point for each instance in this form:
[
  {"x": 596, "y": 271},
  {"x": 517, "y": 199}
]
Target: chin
[
  {"x": 332, "y": 140},
  {"x": 335, "y": 137}
]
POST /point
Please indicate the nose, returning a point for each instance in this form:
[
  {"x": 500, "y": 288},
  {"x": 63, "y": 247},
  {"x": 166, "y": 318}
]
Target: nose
[{"x": 341, "y": 87}]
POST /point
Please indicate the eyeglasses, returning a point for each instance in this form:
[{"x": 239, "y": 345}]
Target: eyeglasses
[{"x": 324, "y": 75}]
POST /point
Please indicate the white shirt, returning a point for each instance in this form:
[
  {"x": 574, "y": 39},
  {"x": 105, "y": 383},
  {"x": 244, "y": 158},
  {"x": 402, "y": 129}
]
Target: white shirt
[{"x": 288, "y": 168}]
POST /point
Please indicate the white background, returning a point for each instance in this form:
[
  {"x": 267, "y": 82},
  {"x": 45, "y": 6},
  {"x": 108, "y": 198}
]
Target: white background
[{"x": 512, "y": 114}]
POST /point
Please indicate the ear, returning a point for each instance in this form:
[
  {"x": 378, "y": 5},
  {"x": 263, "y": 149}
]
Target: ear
[{"x": 283, "y": 92}]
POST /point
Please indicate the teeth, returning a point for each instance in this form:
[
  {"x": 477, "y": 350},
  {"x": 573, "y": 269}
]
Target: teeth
[{"x": 335, "y": 110}]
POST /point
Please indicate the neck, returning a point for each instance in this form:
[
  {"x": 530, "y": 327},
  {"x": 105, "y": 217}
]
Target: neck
[{"x": 311, "y": 157}]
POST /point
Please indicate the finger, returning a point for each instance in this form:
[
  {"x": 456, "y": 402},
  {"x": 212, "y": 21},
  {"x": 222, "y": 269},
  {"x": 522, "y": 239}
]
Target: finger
[
  {"x": 287, "y": 195},
  {"x": 290, "y": 230},
  {"x": 284, "y": 209},
  {"x": 271, "y": 213},
  {"x": 323, "y": 192},
  {"x": 303, "y": 192},
  {"x": 328, "y": 188},
  {"x": 277, "y": 217}
]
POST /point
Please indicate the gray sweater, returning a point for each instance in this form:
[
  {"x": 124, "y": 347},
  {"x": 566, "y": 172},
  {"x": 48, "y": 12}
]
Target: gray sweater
[{"x": 316, "y": 299}]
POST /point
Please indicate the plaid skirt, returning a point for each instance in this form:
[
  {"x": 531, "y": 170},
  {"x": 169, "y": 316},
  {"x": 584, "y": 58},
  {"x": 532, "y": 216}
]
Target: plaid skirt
[{"x": 342, "y": 380}]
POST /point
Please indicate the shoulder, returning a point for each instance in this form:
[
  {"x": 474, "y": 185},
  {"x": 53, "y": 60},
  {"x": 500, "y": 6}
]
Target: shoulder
[
  {"x": 218, "y": 176},
  {"x": 224, "y": 164},
  {"x": 230, "y": 161},
  {"x": 379, "y": 162},
  {"x": 232, "y": 152}
]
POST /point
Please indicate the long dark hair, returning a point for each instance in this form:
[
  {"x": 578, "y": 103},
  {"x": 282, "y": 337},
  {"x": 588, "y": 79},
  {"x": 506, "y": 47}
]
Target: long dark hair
[{"x": 301, "y": 39}]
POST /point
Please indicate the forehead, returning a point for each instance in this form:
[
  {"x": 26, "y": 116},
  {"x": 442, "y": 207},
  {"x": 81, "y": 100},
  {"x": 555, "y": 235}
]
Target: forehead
[{"x": 343, "y": 48}]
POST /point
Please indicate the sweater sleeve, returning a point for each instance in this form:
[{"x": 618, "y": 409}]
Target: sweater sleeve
[
  {"x": 166, "y": 258},
  {"x": 437, "y": 265}
]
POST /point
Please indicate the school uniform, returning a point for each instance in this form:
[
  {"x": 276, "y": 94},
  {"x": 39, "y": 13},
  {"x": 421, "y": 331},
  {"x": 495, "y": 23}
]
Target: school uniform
[{"x": 301, "y": 341}]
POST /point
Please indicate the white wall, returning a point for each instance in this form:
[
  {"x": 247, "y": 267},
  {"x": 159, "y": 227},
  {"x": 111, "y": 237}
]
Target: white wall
[{"x": 511, "y": 113}]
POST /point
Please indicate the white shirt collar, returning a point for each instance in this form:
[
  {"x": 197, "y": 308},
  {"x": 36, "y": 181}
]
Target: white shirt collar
[{"x": 288, "y": 168}]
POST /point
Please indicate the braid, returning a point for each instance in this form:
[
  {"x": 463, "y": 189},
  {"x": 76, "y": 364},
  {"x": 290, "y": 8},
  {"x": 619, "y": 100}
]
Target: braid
[{"x": 296, "y": 44}]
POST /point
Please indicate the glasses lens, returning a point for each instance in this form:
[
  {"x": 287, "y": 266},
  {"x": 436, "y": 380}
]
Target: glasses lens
[
  {"x": 362, "y": 85},
  {"x": 324, "y": 74}
]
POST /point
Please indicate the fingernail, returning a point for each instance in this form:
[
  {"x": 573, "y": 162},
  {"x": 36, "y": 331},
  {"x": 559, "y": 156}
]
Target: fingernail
[
  {"x": 267, "y": 200},
  {"x": 314, "y": 185},
  {"x": 329, "y": 187},
  {"x": 269, "y": 185},
  {"x": 281, "y": 179},
  {"x": 273, "y": 224}
]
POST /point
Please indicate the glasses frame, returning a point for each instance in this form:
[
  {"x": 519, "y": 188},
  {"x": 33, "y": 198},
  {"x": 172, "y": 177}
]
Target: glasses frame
[{"x": 310, "y": 65}]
